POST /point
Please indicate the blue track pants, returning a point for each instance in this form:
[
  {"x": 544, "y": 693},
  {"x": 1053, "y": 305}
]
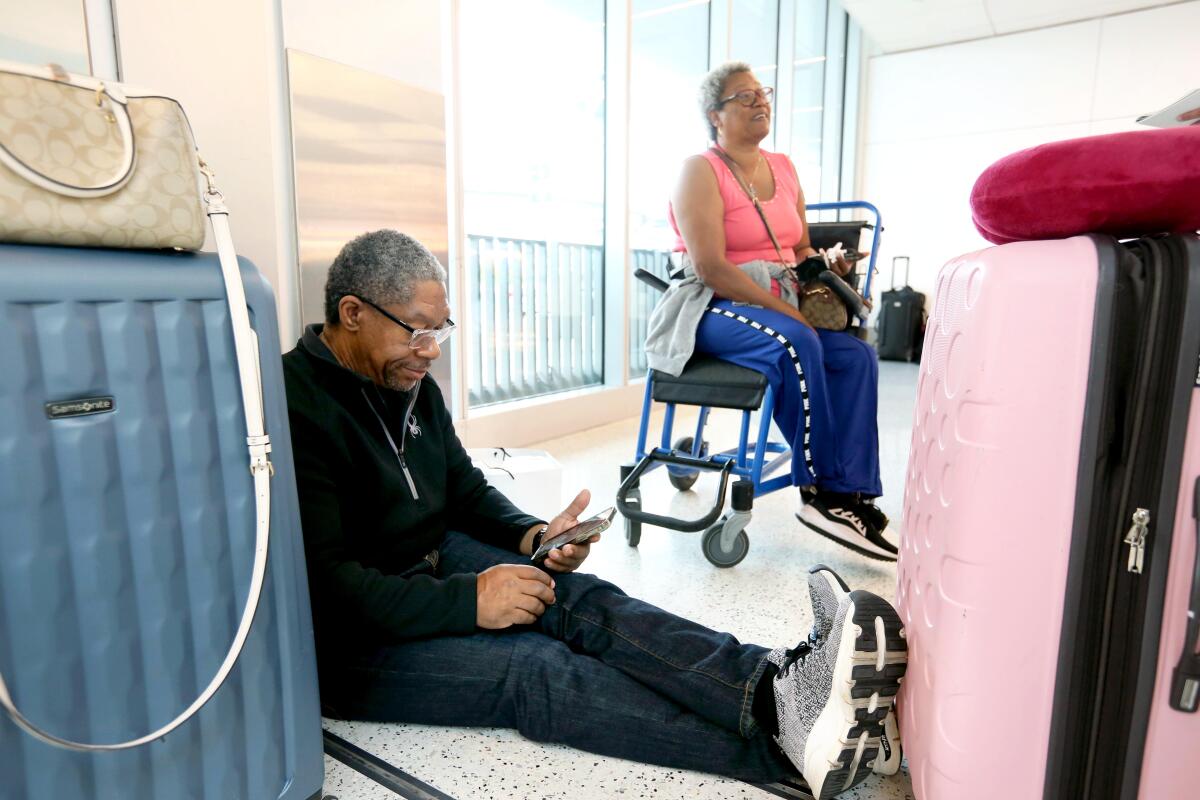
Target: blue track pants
[{"x": 826, "y": 387}]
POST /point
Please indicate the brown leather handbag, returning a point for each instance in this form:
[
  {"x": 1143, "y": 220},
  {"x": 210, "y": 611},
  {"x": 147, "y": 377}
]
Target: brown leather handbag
[{"x": 822, "y": 307}]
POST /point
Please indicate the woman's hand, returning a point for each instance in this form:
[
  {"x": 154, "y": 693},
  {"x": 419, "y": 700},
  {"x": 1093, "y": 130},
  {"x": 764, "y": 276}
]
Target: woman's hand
[{"x": 841, "y": 267}]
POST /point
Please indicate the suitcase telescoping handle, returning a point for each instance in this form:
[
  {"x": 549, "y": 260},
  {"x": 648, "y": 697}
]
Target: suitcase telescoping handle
[
  {"x": 245, "y": 344},
  {"x": 894, "y": 260},
  {"x": 1185, "y": 682}
]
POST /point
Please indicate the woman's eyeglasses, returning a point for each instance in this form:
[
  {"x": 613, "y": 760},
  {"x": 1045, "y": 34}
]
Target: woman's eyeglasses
[
  {"x": 420, "y": 338},
  {"x": 747, "y": 96}
]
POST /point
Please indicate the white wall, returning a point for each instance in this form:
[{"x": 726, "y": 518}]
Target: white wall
[
  {"x": 399, "y": 39},
  {"x": 935, "y": 118},
  {"x": 223, "y": 61}
]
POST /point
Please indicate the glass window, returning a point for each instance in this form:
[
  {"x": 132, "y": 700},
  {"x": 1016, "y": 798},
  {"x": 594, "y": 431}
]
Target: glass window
[
  {"x": 754, "y": 38},
  {"x": 47, "y": 32},
  {"x": 532, "y": 83},
  {"x": 668, "y": 59},
  {"x": 835, "y": 116},
  {"x": 808, "y": 94}
]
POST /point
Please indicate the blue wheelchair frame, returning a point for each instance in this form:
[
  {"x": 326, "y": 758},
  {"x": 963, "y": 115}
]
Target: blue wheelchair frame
[{"x": 724, "y": 542}]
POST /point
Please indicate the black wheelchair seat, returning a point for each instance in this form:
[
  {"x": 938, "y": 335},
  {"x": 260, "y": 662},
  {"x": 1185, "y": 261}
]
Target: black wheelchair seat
[{"x": 709, "y": 381}]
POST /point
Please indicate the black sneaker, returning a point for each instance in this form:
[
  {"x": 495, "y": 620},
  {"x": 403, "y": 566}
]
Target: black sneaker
[
  {"x": 879, "y": 520},
  {"x": 843, "y": 519}
]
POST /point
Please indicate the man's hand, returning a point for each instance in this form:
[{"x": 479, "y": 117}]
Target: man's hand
[
  {"x": 569, "y": 557},
  {"x": 511, "y": 594},
  {"x": 1188, "y": 116}
]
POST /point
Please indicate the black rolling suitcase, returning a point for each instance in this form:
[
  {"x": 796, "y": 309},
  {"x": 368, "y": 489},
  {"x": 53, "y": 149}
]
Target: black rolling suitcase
[{"x": 899, "y": 328}]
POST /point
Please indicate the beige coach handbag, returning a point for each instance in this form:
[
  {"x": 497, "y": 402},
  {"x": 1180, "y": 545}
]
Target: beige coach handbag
[
  {"x": 93, "y": 163},
  {"x": 88, "y": 162}
]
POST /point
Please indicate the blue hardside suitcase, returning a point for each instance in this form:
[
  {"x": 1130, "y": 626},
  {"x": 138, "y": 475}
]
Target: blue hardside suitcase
[{"x": 127, "y": 535}]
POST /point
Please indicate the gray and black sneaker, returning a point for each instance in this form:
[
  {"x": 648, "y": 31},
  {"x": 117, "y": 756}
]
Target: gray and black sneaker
[
  {"x": 832, "y": 694},
  {"x": 825, "y": 590},
  {"x": 841, "y": 518}
]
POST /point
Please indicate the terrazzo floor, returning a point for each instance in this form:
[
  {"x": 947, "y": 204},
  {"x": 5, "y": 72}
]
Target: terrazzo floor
[{"x": 763, "y": 599}]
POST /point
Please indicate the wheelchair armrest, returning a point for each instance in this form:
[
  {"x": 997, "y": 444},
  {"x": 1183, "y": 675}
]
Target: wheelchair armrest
[{"x": 651, "y": 279}]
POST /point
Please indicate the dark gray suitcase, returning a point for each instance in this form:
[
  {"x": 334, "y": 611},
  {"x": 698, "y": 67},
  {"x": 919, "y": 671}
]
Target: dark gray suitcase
[
  {"x": 127, "y": 535},
  {"x": 900, "y": 326}
]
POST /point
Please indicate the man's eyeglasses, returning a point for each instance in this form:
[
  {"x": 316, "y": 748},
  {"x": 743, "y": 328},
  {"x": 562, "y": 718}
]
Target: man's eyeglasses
[
  {"x": 420, "y": 338},
  {"x": 747, "y": 96}
]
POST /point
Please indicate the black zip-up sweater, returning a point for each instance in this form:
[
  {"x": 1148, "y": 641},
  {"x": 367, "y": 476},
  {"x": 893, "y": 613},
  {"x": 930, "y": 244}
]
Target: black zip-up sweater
[{"x": 376, "y": 496}]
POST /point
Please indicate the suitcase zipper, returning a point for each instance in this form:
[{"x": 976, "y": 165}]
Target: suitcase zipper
[
  {"x": 1142, "y": 299},
  {"x": 1139, "y": 486},
  {"x": 1157, "y": 317},
  {"x": 1136, "y": 539}
]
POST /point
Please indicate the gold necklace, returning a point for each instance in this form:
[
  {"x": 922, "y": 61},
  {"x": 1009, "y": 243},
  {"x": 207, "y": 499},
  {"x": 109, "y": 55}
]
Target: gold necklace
[
  {"x": 753, "y": 175},
  {"x": 750, "y": 183}
]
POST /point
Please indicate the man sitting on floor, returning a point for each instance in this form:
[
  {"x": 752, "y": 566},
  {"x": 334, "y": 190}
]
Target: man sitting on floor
[{"x": 428, "y": 609}]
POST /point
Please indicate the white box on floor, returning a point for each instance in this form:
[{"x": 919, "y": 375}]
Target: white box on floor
[{"x": 531, "y": 479}]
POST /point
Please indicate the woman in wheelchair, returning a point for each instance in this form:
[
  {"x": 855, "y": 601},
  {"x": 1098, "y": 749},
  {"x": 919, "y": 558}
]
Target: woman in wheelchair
[{"x": 735, "y": 299}]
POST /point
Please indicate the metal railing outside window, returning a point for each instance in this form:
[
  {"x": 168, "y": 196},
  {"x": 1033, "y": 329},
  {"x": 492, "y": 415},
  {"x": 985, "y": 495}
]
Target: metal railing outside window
[
  {"x": 537, "y": 317},
  {"x": 641, "y": 302}
]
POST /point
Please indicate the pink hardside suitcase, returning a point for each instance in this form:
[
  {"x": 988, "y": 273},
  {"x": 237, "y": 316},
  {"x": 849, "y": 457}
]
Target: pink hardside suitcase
[{"x": 1049, "y": 554}]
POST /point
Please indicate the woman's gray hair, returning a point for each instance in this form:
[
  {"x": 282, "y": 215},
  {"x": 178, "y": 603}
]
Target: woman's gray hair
[
  {"x": 711, "y": 88},
  {"x": 382, "y": 266}
]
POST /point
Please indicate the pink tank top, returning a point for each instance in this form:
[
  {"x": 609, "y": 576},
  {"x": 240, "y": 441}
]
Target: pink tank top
[{"x": 746, "y": 237}]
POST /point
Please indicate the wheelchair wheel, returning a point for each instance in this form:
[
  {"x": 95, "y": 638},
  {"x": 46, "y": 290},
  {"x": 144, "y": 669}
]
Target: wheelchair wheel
[
  {"x": 633, "y": 530},
  {"x": 718, "y": 557},
  {"x": 683, "y": 478}
]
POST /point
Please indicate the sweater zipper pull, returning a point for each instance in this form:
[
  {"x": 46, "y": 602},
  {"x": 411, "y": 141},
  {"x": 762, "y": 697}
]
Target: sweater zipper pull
[
  {"x": 412, "y": 487},
  {"x": 399, "y": 451}
]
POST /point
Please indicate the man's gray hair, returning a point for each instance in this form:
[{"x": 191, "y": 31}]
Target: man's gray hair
[
  {"x": 711, "y": 88},
  {"x": 382, "y": 266}
]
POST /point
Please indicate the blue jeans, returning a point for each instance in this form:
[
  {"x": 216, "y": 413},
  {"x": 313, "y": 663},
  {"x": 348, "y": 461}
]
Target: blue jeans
[
  {"x": 600, "y": 671},
  {"x": 826, "y": 387}
]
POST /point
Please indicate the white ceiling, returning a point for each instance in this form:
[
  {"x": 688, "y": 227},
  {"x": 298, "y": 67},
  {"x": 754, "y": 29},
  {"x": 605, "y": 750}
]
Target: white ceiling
[{"x": 894, "y": 25}]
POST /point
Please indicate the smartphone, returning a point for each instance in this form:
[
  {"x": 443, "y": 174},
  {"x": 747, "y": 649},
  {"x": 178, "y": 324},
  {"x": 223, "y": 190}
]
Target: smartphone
[{"x": 580, "y": 533}]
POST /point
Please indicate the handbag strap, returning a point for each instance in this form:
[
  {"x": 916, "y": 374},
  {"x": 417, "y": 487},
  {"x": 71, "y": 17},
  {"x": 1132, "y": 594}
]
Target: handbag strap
[
  {"x": 737, "y": 175},
  {"x": 245, "y": 344}
]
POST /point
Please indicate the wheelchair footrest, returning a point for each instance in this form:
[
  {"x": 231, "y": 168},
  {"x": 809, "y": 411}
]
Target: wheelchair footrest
[{"x": 635, "y": 513}]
